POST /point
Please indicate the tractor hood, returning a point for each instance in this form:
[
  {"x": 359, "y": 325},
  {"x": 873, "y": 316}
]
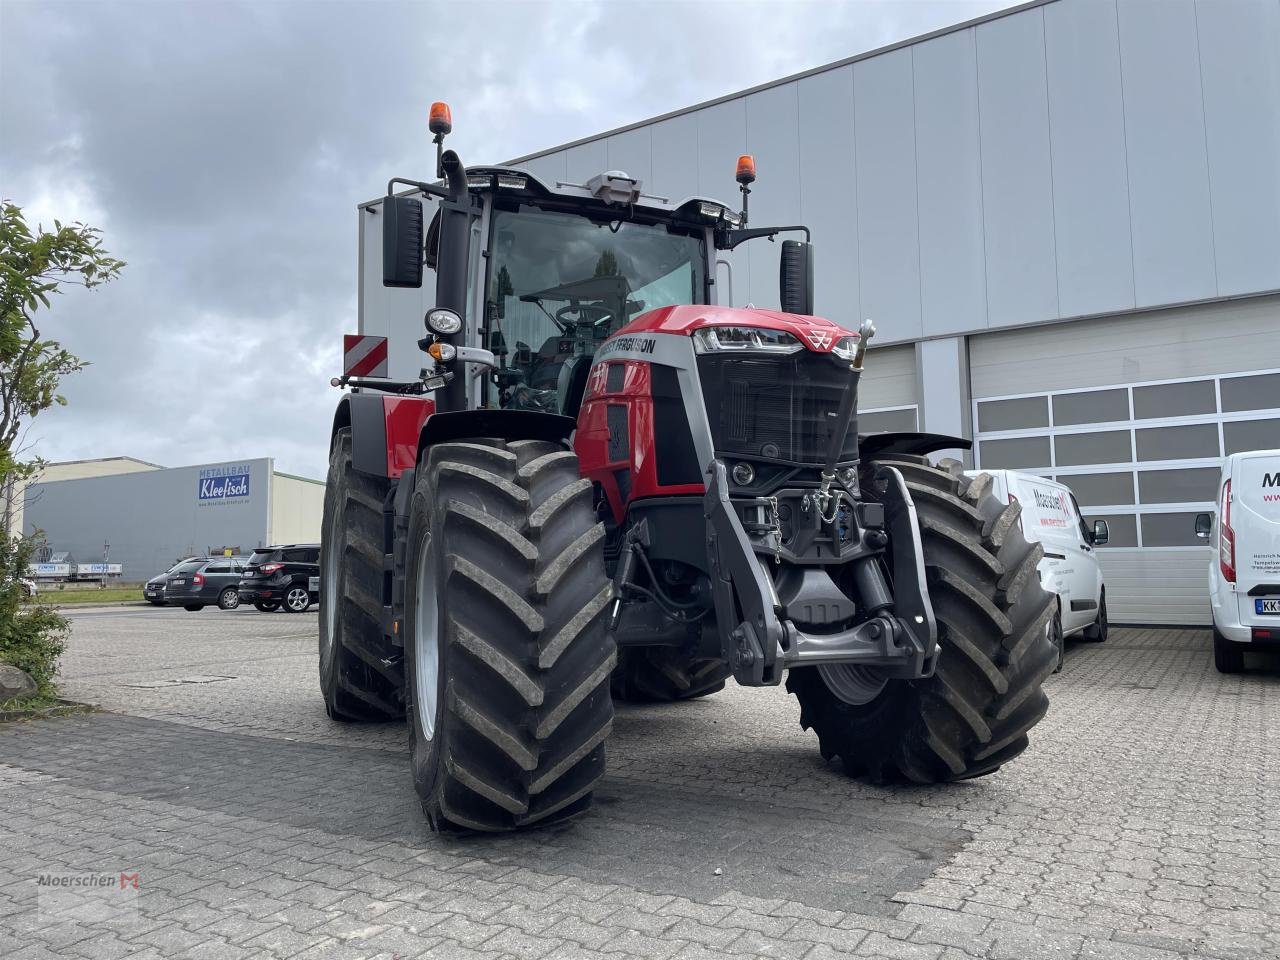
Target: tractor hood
[{"x": 818, "y": 334}]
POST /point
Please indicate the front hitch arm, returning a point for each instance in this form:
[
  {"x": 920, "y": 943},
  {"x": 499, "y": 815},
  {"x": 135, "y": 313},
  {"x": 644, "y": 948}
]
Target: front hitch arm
[{"x": 746, "y": 604}]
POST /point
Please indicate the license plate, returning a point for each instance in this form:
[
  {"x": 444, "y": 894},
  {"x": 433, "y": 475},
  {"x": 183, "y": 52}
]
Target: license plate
[
  {"x": 176, "y": 583},
  {"x": 1266, "y": 606}
]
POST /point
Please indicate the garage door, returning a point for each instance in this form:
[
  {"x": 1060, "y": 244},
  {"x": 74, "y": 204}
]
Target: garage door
[
  {"x": 1135, "y": 414},
  {"x": 887, "y": 398}
]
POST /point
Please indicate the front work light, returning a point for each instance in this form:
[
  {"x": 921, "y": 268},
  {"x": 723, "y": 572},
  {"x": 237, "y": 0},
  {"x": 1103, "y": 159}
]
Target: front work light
[
  {"x": 443, "y": 321},
  {"x": 757, "y": 339}
]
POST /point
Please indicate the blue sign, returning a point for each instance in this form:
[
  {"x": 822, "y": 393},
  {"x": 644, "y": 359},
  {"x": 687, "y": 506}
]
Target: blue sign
[{"x": 224, "y": 483}]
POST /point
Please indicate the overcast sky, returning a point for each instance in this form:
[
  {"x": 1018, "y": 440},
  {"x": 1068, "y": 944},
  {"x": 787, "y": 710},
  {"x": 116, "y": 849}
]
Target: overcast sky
[{"x": 222, "y": 148}]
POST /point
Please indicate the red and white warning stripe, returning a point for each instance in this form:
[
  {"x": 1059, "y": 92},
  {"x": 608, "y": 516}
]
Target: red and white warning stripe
[{"x": 364, "y": 356}]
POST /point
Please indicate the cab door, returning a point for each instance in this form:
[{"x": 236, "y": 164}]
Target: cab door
[{"x": 1087, "y": 581}]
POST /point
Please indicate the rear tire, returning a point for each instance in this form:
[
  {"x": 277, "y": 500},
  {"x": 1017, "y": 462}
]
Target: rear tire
[
  {"x": 994, "y": 653},
  {"x": 269, "y": 607},
  {"x": 229, "y": 599},
  {"x": 1228, "y": 656},
  {"x": 507, "y": 659},
  {"x": 665, "y": 674},
  {"x": 1096, "y": 632},
  {"x": 361, "y": 673}
]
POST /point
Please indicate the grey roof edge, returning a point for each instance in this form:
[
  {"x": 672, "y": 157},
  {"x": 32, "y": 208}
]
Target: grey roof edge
[
  {"x": 294, "y": 476},
  {"x": 792, "y": 78}
]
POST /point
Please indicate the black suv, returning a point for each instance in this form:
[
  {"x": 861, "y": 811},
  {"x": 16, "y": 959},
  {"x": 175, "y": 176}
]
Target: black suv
[
  {"x": 195, "y": 584},
  {"x": 282, "y": 576}
]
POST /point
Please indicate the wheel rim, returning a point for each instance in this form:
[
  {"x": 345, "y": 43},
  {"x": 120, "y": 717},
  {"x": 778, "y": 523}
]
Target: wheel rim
[
  {"x": 230, "y": 599},
  {"x": 1055, "y": 634},
  {"x": 297, "y": 599},
  {"x": 853, "y": 684},
  {"x": 426, "y": 635},
  {"x": 329, "y": 583}
]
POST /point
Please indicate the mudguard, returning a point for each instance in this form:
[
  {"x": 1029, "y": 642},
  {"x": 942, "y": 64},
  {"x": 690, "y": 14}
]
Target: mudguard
[
  {"x": 875, "y": 445},
  {"x": 384, "y": 430}
]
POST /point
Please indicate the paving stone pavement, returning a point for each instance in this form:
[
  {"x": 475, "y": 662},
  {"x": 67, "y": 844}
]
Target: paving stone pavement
[{"x": 1141, "y": 823}]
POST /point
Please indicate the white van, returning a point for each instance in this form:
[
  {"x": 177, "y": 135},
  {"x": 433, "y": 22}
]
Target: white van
[
  {"x": 1070, "y": 567},
  {"x": 1244, "y": 577}
]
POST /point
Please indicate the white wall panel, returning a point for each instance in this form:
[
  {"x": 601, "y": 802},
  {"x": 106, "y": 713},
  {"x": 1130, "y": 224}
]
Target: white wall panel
[
  {"x": 722, "y": 137},
  {"x": 828, "y": 185},
  {"x": 1017, "y": 192},
  {"x": 632, "y": 152},
  {"x": 1240, "y": 77},
  {"x": 548, "y": 168},
  {"x": 675, "y": 157},
  {"x": 586, "y": 160},
  {"x": 889, "y": 378},
  {"x": 888, "y": 226},
  {"x": 1191, "y": 341},
  {"x": 1090, "y": 173},
  {"x": 953, "y": 290},
  {"x": 1173, "y": 257},
  {"x": 773, "y": 139}
]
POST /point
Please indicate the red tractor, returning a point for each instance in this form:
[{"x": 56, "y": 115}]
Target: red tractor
[{"x": 603, "y": 484}]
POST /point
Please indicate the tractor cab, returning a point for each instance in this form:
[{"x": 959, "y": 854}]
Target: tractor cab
[{"x": 544, "y": 273}]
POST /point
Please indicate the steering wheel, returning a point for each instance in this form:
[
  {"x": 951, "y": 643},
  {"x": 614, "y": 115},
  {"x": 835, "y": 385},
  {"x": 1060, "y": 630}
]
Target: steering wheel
[{"x": 570, "y": 316}]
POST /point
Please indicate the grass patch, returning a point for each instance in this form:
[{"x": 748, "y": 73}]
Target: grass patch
[{"x": 57, "y": 598}]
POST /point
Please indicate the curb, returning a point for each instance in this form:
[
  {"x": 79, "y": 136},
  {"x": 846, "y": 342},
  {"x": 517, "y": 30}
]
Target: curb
[{"x": 63, "y": 708}]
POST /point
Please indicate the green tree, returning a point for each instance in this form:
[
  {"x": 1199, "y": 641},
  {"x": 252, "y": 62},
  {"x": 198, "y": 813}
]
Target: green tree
[
  {"x": 34, "y": 265},
  {"x": 607, "y": 265}
]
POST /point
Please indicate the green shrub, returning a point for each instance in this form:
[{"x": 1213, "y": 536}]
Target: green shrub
[{"x": 32, "y": 634}]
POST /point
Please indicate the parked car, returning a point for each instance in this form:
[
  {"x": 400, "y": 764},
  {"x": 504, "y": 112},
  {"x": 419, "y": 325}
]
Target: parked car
[
  {"x": 153, "y": 590},
  {"x": 283, "y": 576},
  {"x": 197, "y": 584},
  {"x": 1244, "y": 576},
  {"x": 1051, "y": 515}
]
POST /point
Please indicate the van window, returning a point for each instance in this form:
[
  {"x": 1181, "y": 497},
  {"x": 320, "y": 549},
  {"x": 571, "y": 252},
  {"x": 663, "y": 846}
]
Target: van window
[{"x": 1084, "y": 531}]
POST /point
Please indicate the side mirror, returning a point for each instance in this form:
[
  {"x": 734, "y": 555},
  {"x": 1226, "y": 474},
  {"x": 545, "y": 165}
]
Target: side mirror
[
  {"x": 1101, "y": 532},
  {"x": 401, "y": 242},
  {"x": 795, "y": 277},
  {"x": 1204, "y": 525}
]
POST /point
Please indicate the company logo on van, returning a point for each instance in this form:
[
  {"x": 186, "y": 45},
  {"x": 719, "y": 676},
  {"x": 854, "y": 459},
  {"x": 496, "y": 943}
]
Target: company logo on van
[
  {"x": 1051, "y": 501},
  {"x": 224, "y": 483}
]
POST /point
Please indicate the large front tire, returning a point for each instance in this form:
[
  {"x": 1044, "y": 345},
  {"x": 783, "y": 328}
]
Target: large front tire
[
  {"x": 973, "y": 714},
  {"x": 507, "y": 659},
  {"x": 361, "y": 673}
]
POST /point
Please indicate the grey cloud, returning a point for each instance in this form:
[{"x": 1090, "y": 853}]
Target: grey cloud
[{"x": 224, "y": 146}]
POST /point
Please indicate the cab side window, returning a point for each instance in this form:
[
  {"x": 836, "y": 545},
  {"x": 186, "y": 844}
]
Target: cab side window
[{"x": 1086, "y": 536}]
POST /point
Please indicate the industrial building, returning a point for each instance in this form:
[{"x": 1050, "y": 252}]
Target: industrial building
[
  {"x": 1064, "y": 220},
  {"x": 145, "y": 517}
]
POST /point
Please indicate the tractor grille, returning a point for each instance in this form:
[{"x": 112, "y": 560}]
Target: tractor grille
[{"x": 777, "y": 408}]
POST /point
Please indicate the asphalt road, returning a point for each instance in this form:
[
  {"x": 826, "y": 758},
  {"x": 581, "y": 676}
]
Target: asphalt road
[{"x": 1141, "y": 823}]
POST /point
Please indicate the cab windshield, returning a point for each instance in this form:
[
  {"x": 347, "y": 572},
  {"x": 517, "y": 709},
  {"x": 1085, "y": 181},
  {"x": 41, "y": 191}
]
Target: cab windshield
[{"x": 560, "y": 284}]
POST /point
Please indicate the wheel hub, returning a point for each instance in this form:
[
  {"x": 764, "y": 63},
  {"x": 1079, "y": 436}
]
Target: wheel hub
[
  {"x": 853, "y": 684},
  {"x": 426, "y": 621}
]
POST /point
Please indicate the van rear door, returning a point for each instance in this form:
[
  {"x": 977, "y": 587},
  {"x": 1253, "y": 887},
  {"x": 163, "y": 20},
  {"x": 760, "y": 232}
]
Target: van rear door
[{"x": 1255, "y": 523}]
